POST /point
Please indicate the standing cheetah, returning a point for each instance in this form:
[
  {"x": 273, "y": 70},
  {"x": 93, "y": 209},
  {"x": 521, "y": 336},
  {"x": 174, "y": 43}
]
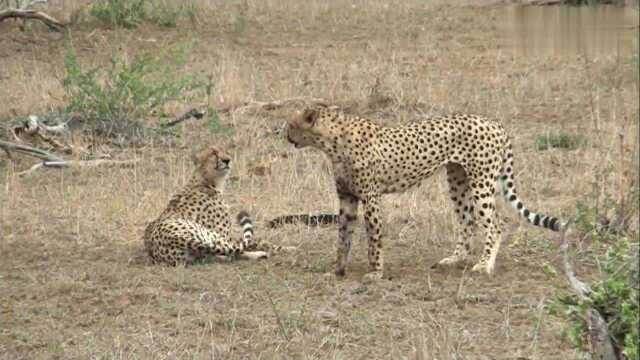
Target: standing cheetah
[
  {"x": 370, "y": 160},
  {"x": 196, "y": 221}
]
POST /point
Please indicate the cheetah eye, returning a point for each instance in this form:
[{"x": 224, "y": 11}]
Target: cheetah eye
[{"x": 310, "y": 116}]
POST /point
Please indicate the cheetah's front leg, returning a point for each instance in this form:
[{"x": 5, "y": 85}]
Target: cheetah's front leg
[
  {"x": 373, "y": 223},
  {"x": 348, "y": 214}
]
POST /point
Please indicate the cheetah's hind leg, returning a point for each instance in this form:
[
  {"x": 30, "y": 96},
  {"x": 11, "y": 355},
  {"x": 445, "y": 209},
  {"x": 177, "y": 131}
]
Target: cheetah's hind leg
[{"x": 463, "y": 203}]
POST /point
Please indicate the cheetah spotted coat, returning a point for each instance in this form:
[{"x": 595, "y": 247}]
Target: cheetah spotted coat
[{"x": 370, "y": 160}]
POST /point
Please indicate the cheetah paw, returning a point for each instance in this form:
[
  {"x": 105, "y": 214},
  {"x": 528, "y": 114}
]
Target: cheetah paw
[
  {"x": 482, "y": 268},
  {"x": 254, "y": 255},
  {"x": 450, "y": 260},
  {"x": 371, "y": 277}
]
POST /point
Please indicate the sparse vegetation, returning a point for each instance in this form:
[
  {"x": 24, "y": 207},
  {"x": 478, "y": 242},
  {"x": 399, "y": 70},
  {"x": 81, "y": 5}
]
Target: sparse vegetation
[
  {"x": 115, "y": 101},
  {"x": 131, "y": 13},
  {"x": 560, "y": 141},
  {"x": 615, "y": 293},
  {"x": 213, "y": 122},
  {"x": 120, "y": 13}
]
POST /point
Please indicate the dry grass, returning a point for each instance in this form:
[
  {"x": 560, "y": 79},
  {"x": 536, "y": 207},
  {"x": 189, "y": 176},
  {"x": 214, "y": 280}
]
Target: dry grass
[{"x": 74, "y": 282}]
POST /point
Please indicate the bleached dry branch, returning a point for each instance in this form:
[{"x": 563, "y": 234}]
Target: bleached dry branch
[
  {"x": 601, "y": 346},
  {"x": 78, "y": 163},
  {"x": 28, "y": 150},
  {"x": 34, "y": 129},
  {"x": 255, "y": 106},
  {"x": 48, "y": 20}
]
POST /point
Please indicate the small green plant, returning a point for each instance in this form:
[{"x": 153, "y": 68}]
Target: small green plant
[
  {"x": 115, "y": 100},
  {"x": 240, "y": 23},
  {"x": 167, "y": 14},
  {"x": 614, "y": 295},
  {"x": 599, "y": 216},
  {"x": 214, "y": 124},
  {"x": 131, "y": 13},
  {"x": 560, "y": 141},
  {"x": 120, "y": 13}
]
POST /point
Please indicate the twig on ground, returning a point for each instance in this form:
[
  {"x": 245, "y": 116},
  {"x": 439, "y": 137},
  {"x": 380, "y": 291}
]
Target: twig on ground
[
  {"x": 48, "y": 20},
  {"x": 190, "y": 114},
  {"x": 78, "y": 163},
  {"x": 270, "y": 105},
  {"x": 28, "y": 150},
  {"x": 53, "y": 161}
]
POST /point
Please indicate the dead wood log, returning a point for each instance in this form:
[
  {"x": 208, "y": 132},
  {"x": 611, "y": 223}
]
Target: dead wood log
[
  {"x": 48, "y": 20},
  {"x": 34, "y": 129},
  {"x": 78, "y": 163},
  {"x": 602, "y": 347},
  {"x": 33, "y": 125},
  {"x": 28, "y": 150}
]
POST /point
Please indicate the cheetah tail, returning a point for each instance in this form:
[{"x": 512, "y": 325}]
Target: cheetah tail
[
  {"x": 247, "y": 228},
  {"x": 506, "y": 179}
]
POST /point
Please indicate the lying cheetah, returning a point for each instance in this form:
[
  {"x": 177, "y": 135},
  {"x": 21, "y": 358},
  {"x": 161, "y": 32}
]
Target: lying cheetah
[
  {"x": 196, "y": 221},
  {"x": 370, "y": 160}
]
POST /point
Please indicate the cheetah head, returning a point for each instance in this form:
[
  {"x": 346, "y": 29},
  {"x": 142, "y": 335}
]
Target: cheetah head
[
  {"x": 311, "y": 127},
  {"x": 212, "y": 165}
]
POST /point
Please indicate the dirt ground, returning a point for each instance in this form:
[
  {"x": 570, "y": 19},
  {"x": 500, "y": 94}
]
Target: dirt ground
[{"x": 75, "y": 282}]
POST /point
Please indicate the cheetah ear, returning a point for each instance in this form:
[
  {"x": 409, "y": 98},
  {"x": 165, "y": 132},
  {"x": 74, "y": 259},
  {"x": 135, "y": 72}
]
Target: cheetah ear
[
  {"x": 200, "y": 156},
  {"x": 309, "y": 116}
]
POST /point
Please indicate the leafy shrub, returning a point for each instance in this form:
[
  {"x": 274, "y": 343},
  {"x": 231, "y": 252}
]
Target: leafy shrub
[
  {"x": 113, "y": 101},
  {"x": 560, "y": 141},
  {"x": 614, "y": 295}
]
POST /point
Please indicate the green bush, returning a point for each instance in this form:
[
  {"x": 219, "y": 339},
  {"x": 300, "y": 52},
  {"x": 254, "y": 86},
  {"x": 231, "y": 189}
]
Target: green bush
[
  {"x": 113, "y": 101},
  {"x": 560, "y": 141},
  {"x": 131, "y": 13},
  {"x": 614, "y": 295}
]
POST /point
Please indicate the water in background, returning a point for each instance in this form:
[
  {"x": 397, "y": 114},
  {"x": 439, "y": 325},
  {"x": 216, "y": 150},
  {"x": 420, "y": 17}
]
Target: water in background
[{"x": 592, "y": 31}]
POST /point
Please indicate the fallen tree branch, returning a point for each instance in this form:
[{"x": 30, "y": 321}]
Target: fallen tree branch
[
  {"x": 48, "y": 20},
  {"x": 34, "y": 129},
  {"x": 33, "y": 125},
  {"x": 270, "y": 105},
  {"x": 78, "y": 163},
  {"x": 28, "y": 150},
  {"x": 190, "y": 114},
  {"x": 602, "y": 347}
]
